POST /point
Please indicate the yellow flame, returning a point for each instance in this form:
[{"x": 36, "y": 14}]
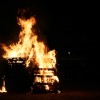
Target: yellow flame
[
  {"x": 28, "y": 46},
  {"x": 3, "y": 89},
  {"x": 46, "y": 87}
]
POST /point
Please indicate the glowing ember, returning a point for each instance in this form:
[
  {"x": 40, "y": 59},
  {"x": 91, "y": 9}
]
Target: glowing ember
[{"x": 33, "y": 50}]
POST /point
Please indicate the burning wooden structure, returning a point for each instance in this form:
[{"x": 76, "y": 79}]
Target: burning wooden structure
[
  {"x": 30, "y": 50},
  {"x": 45, "y": 80}
]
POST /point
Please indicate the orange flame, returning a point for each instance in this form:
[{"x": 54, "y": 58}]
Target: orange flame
[{"x": 29, "y": 47}]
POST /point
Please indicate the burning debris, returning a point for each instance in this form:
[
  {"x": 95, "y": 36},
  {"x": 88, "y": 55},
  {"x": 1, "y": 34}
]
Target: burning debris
[
  {"x": 3, "y": 88},
  {"x": 29, "y": 50},
  {"x": 14, "y": 61},
  {"x": 45, "y": 80}
]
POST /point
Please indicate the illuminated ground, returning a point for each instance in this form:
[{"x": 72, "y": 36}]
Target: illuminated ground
[{"x": 64, "y": 95}]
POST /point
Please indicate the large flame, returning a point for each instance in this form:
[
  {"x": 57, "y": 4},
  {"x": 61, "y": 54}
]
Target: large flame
[
  {"x": 33, "y": 50},
  {"x": 29, "y": 47}
]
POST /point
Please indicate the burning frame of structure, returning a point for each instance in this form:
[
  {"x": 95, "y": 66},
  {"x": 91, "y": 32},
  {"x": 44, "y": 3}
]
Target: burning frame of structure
[{"x": 30, "y": 52}]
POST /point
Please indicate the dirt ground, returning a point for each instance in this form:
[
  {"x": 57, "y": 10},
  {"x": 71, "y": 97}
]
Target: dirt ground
[{"x": 64, "y": 95}]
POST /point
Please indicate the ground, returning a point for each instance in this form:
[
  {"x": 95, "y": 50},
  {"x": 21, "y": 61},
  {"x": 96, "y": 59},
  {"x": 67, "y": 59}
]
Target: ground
[{"x": 64, "y": 95}]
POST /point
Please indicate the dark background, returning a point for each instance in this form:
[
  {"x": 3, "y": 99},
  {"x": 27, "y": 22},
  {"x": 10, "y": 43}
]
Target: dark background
[{"x": 66, "y": 27}]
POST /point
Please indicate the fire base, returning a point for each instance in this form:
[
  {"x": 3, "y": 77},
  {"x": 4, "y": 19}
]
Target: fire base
[{"x": 45, "y": 83}]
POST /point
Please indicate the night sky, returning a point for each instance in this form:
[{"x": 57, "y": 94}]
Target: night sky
[{"x": 67, "y": 27}]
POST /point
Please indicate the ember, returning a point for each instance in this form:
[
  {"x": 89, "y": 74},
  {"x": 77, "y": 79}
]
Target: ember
[{"x": 36, "y": 52}]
